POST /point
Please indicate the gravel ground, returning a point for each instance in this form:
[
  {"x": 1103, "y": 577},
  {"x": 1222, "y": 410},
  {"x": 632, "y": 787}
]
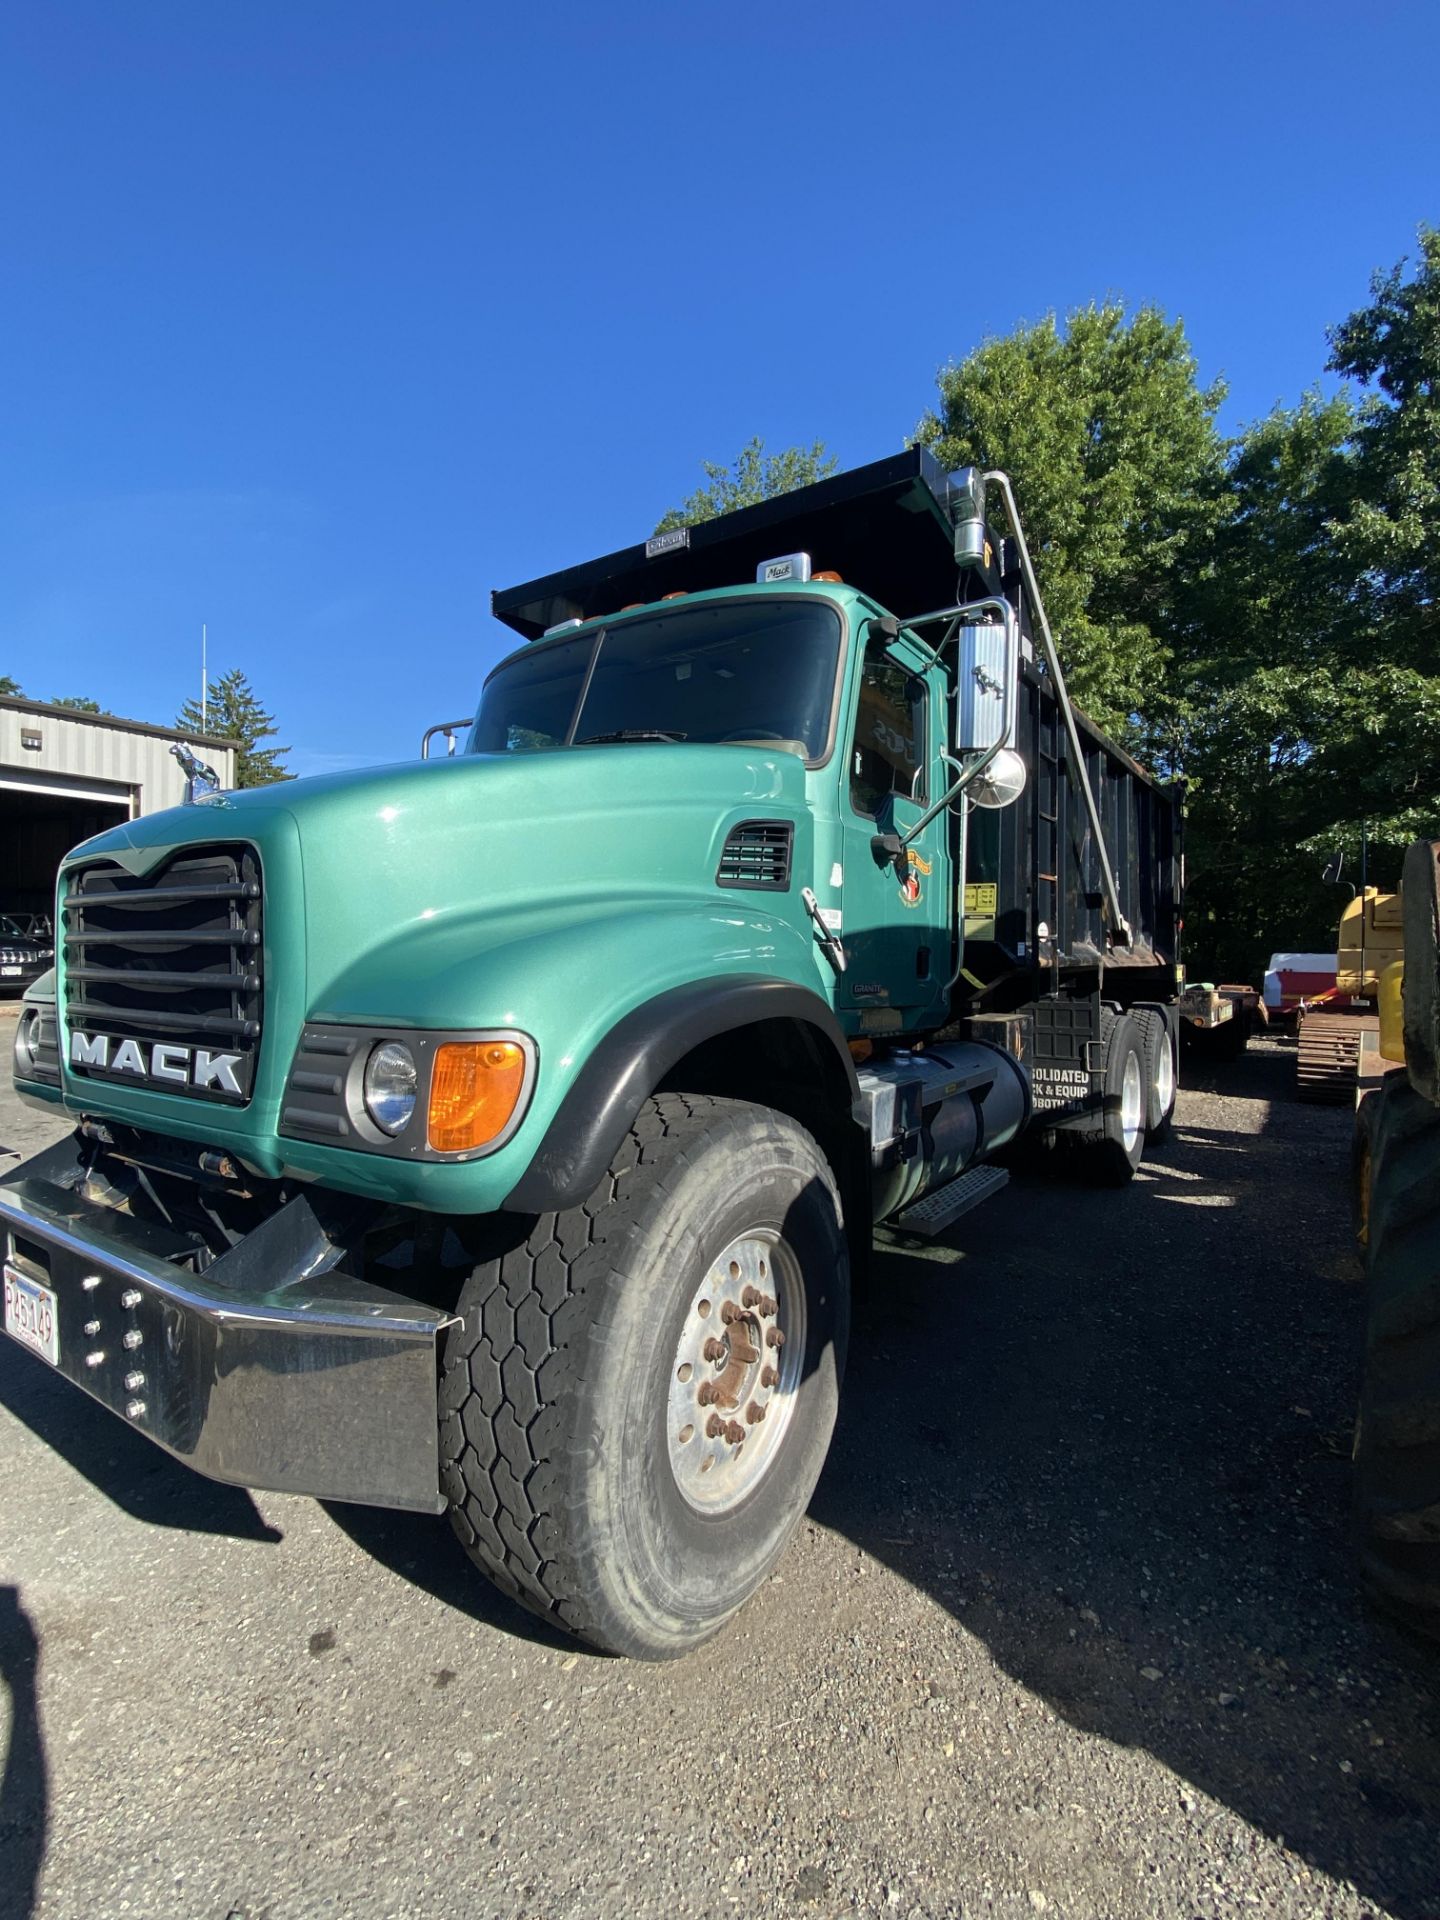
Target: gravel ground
[{"x": 1071, "y": 1628}]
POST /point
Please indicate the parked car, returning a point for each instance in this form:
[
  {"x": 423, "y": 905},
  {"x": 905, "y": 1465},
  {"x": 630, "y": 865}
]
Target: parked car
[{"x": 27, "y": 949}]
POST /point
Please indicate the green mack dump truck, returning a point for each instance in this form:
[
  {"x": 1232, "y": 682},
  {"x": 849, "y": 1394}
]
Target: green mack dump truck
[{"x": 498, "y": 1133}]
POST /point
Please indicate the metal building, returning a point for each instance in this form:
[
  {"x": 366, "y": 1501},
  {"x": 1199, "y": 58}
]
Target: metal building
[{"x": 65, "y": 775}]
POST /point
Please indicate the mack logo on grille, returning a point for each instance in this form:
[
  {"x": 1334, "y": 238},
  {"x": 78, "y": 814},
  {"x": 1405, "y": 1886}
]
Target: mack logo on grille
[{"x": 159, "y": 1061}]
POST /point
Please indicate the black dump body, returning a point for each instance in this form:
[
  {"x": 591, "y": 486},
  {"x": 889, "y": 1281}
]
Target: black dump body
[
  {"x": 1034, "y": 916},
  {"x": 885, "y": 527},
  {"x": 1033, "y": 899}
]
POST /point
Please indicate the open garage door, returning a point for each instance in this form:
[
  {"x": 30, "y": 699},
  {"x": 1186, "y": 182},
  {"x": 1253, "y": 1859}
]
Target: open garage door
[{"x": 38, "y": 827}]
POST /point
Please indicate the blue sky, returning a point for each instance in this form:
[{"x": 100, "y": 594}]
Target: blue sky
[{"x": 321, "y": 320}]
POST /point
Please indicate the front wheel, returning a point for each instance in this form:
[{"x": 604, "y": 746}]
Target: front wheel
[{"x": 639, "y": 1398}]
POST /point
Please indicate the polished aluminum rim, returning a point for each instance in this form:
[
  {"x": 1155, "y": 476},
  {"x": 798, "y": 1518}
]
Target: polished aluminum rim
[
  {"x": 736, "y": 1370},
  {"x": 1165, "y": 1076},
  {"x": 1132, "y": 1102}
]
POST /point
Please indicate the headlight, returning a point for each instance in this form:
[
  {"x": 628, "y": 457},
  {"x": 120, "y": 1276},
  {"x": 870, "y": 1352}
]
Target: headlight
[{"x": 391, "y": 1086}]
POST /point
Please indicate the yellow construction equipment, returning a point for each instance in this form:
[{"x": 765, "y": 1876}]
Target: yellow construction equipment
[
  {"x": 1332, "y": 1025},
  {"x": 1396, "y": 1165}
]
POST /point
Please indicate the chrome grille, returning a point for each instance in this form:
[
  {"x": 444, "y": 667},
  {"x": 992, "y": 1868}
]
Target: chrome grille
[{"x": 171, "y": 959}]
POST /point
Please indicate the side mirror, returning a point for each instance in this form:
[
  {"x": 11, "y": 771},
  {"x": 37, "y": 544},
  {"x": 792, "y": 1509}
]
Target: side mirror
[
  {"x": 987, "y": 663},
  {"x": 1334, "y": 867}
]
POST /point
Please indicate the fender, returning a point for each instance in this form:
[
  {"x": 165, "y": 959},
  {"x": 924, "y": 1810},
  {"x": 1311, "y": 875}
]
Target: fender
[{"x": 631, "y": 1061}]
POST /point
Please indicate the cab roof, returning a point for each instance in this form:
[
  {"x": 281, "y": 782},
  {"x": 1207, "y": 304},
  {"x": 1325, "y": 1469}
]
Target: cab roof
[{"x": 884, "y": 528}]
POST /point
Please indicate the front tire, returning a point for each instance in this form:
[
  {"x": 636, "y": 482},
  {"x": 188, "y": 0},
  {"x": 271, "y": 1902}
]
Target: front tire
[{"x": 573, "y": 1427}]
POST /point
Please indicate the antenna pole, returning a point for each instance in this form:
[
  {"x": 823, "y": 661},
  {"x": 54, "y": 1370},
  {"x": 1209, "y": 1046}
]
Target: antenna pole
[{"x": 204, "y": 679}]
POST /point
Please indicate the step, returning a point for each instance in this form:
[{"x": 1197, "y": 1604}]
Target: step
[{"x": 936, "y": 1211}]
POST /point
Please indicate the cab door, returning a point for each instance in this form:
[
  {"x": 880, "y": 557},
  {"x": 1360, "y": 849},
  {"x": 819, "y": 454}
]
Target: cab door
[{"x": 897, "y": 918}]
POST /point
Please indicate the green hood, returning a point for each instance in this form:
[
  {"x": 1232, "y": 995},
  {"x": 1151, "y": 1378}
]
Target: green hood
[{"x": 553, "y": 892}]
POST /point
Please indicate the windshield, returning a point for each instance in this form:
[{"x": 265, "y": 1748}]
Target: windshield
[
  {"x": 758, "y": 672},
  {"x": 12, "y": 929}
]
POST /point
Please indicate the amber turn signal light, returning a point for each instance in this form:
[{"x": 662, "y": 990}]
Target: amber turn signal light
[{"x": 474, "y": 1090}]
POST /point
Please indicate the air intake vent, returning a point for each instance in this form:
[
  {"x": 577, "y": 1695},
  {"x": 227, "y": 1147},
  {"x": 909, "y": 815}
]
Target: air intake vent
[{"x": 757, "y": 854}]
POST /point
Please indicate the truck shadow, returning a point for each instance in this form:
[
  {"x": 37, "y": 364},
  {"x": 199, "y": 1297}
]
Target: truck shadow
[
  {"x": 1111, "y": 1436},
  {"x": 25, "y": 1780},
  {"x": 131, "y": 1472},
  {"x": 424, "y": 1551}
]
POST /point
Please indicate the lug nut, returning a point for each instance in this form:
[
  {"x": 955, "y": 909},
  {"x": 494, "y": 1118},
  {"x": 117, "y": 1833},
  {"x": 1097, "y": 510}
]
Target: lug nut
[
  {"x": 750, "y": 1297},
  {"x": 130, "y": 1297},
  {"x": 774, "y": 1337},
  {"x": 754, "y": 1414},
  {"x": 134, "y": 1382},
  {"x": 132, "y": 1340},
  {"x": 768, "y": 1376},
  {"x": 714, "y": 1427},
  {"x": 734, "y": 1433},
  {"x": 705, "y": 1392},
  {"x": 729, "y": 1312},
  {"x": 769, "y": 1308},
  {"x": 714, "y": 1349},
  {"x": 92, "y": 1327}
]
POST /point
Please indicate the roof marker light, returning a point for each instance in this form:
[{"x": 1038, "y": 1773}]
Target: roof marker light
[
  {"x": 789, "y": 566},
  {"x": 562, "y": 626}
]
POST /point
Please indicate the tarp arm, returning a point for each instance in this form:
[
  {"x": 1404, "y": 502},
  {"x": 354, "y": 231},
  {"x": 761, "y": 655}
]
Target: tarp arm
[{"x": 1119, "y": 925}]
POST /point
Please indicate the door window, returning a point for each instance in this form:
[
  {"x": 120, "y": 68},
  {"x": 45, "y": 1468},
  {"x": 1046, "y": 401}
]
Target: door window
[{"x": 887, "y": 756}]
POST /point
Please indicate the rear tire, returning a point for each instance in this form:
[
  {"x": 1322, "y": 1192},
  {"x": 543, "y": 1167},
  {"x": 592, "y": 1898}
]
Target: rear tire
[
  {"x": 1113, "y": 1149},
  {"x": 571, "y": 1465},
  {"x": 1397, "y": 1434},
  {"x": 1161, "y": 1071}
]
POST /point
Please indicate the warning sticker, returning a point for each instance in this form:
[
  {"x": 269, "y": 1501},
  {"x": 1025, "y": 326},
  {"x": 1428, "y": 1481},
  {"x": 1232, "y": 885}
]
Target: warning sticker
[{"x": 981, "y": 899}]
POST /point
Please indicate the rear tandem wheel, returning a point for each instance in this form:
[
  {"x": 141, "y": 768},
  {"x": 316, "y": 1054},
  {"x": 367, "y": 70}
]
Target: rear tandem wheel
[{"x": 1113, "y": 1144}]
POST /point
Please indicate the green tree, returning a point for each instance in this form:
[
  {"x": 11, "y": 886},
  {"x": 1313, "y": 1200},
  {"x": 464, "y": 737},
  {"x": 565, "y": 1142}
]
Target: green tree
[
  {"x": 10, "y": 687},
  {"x": 1118, "y": 468},
  {"x": 754, "y": 476},
  {"x": 1304, "y": 692},
  {"x": 79, "y": 703},
  {"x": 1391, "y": 535},
  {"x": 234, "y": 713}
]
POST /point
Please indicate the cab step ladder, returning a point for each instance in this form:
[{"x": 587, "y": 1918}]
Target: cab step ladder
[{"x": 938, "y": 1209}]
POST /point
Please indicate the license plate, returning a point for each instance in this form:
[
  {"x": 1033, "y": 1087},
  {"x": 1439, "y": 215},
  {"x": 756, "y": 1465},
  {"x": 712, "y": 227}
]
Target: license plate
[
  {"x": 30, "y": 1315},
  {"x": 8, "y": 973}
]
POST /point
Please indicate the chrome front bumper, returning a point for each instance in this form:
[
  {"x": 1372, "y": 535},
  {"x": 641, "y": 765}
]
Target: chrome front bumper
[{"x": 251, "y": 1372}]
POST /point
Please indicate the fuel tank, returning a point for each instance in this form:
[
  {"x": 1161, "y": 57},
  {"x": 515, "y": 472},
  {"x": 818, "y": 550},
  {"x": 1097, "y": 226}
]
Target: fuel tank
[{"x": 933, "y": 1114}]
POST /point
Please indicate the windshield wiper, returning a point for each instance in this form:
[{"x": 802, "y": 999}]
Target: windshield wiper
[{"x": 629, "y": 733}]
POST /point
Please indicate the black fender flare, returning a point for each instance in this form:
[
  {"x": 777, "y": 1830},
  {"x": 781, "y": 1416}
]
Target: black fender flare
[{"x": 634, "y": 1057}]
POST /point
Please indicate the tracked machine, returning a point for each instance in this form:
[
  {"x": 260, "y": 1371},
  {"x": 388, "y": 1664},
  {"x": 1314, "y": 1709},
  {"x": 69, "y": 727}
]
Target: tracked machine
[
  {"x": 1334, "y": 1018},
  {"x": 1397, "y": 1194}
]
